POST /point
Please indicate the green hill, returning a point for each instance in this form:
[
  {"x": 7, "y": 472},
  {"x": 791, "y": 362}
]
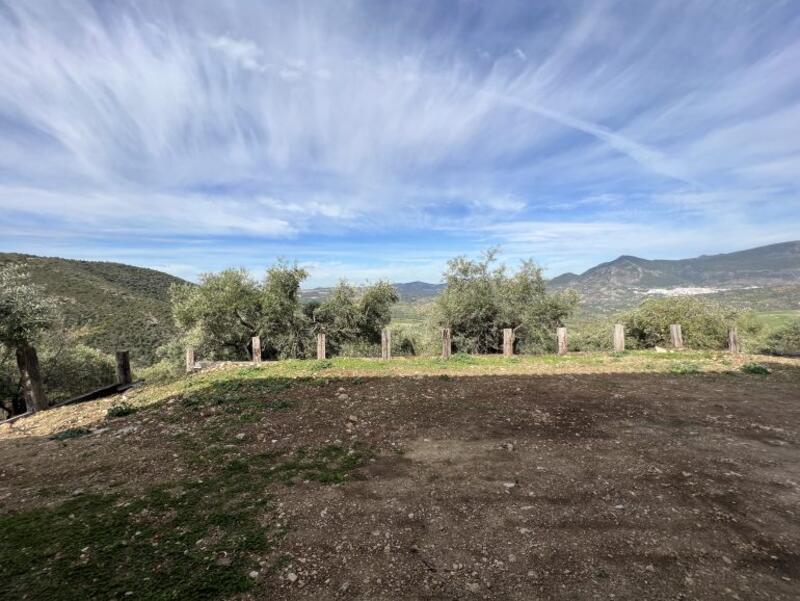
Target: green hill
[{"x": 115, "y": 306}]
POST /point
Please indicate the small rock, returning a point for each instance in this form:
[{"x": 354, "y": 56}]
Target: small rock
[
  {"x": 344, "y": 587},
  {"x": 253, "y": 574},
  {"x": 509, "y": 484},
  {"x": 473, "y": 587},
  {"x": 352, "y": 418},
  {"x": 291, "y": 577},
  {"x": 240, "y": 436},
  {"x": 660, "y": 349}
]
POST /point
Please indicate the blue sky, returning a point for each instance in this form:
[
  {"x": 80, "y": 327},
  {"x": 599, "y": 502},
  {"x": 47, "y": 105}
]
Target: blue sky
[{"x": 377, "y": 139}]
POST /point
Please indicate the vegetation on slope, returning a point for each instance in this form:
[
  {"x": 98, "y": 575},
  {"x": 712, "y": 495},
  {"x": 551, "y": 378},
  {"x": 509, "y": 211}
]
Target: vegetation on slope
[{"x": 111, "y": 306}]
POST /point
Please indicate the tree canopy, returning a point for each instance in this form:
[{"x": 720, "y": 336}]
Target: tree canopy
[
  {"x": 481, "y": 299},
  {"x": 226, "y": 310},
  {"x": 25, "y": 310}
]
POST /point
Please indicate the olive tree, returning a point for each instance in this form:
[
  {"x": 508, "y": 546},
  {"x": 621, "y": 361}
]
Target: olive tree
[
  {"x": 348, "y": 316},
  {"x": 25, "y": 312},
  {"x": 704, "y": 323},
  {"x": 283, "y": 321},
  {"x": 226, "y": 310},
  {"x": 223, "y": 311},
  {"x": 481, "y": 299}
]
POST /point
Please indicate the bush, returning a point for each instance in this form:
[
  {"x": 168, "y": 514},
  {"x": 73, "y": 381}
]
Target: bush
[
  {"x": 74, "y": 370},
  {"x": 71, "y": 433},
  {"x": 755, "y": 368},
  {"x": 121, "y": 410},
  {"x": 685, "y": 367},
  {"x": 704, "y": 324},
  {"x": 357, "y": 349},
  {"x": 165, "y": 370},
  {"x": 595, "y": 335},
  {"x": 784, "y": 341}
]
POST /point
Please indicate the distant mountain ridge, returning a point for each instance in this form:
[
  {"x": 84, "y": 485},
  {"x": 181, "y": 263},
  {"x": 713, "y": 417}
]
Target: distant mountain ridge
[
  {"x": 625, "y": 280},
  {"x": 408, "y": 291}
]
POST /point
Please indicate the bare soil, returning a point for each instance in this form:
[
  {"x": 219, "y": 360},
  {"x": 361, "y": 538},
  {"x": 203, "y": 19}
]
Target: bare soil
[{"x": 517, "y": 487}]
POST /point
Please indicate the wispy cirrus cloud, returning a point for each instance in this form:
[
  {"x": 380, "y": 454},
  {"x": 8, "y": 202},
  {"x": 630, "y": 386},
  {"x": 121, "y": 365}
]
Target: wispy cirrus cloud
[{"x": 368, "y": 127}]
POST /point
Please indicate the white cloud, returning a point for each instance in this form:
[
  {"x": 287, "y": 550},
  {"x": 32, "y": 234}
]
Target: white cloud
[
  {"x": 245, "y": 52},
  {"x": 280, "y": 122}
]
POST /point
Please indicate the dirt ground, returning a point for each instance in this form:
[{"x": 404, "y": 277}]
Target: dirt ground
[{"x": 517, "y": 487}]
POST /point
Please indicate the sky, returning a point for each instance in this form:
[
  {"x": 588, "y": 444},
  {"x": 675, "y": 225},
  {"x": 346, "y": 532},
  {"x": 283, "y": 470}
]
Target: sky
[{"x": 377, "y": 139}]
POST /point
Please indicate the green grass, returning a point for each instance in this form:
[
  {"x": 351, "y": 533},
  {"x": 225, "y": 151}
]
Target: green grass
[
  {"x": 685, "y": 367},
  {"x": 71, "y": 433},
  {"x": 191, "y": 539},
  {"x": 121, "y": 410},
  {"x": 755, "y": 368},
  {"x": 265, "y": 385}
]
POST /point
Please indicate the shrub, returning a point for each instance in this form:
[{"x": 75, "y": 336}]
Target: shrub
[
  {"x": 357, "y": 349},
  {"x": 74, "y": 370},
  {"x": 595, "y": 335},
  {"x": 121, "y": 410},
  {"x": 704, "y": 324},
  {"x": 785, "y": 341},
  {"x": 755, "y": 368},
  {"x": 165, "y": 370},
  {"x": 71, "y": 433},
  {"x": 685, "y": 367}
]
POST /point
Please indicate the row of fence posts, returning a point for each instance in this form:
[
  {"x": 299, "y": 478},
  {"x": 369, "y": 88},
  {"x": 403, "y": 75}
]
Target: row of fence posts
[{"x": 509, "y": 337}]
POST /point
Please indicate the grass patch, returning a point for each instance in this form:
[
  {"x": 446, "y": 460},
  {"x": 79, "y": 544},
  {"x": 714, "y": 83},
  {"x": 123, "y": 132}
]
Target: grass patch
[
  {"x": 192, "y": 539},
  {"x": 685, "y": 367},
  {"x": 755, "y": 368},
  {"x": 331, "y": 464},
  {"x": 121, "y": 410},
  {"x": 71, "y": 433}
]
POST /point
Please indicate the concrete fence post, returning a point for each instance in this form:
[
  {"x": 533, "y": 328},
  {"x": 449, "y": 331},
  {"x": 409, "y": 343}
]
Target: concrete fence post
[
  {"x": 386, "y": 344},
  {"x": 508, "y": 342},
  {"x": 676, "y": 335},
  {"x": 561, "y": 334},
  {"x": 189, "y": 359},
  {"x": 447, "y": 343},
  {"x": 256, "y": 344},
  {"x": 619, "y": 338},
  {"x": 123, "y": 367},
  {"x": 733, "y": 340},
  {"x": 320, "y": 346}
]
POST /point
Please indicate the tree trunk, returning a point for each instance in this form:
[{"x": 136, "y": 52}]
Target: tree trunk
[{"x": 32, "y": 387}]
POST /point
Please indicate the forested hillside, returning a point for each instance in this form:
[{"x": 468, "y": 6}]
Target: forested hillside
[{"x": 114, "y": 306}]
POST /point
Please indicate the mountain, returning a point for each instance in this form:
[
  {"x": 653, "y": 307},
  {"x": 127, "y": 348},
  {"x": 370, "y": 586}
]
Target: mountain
[
  {"x": 116, "y": 306},
  {"x": 627, "y": 279},
  {"x": 409, "y": 291}
]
